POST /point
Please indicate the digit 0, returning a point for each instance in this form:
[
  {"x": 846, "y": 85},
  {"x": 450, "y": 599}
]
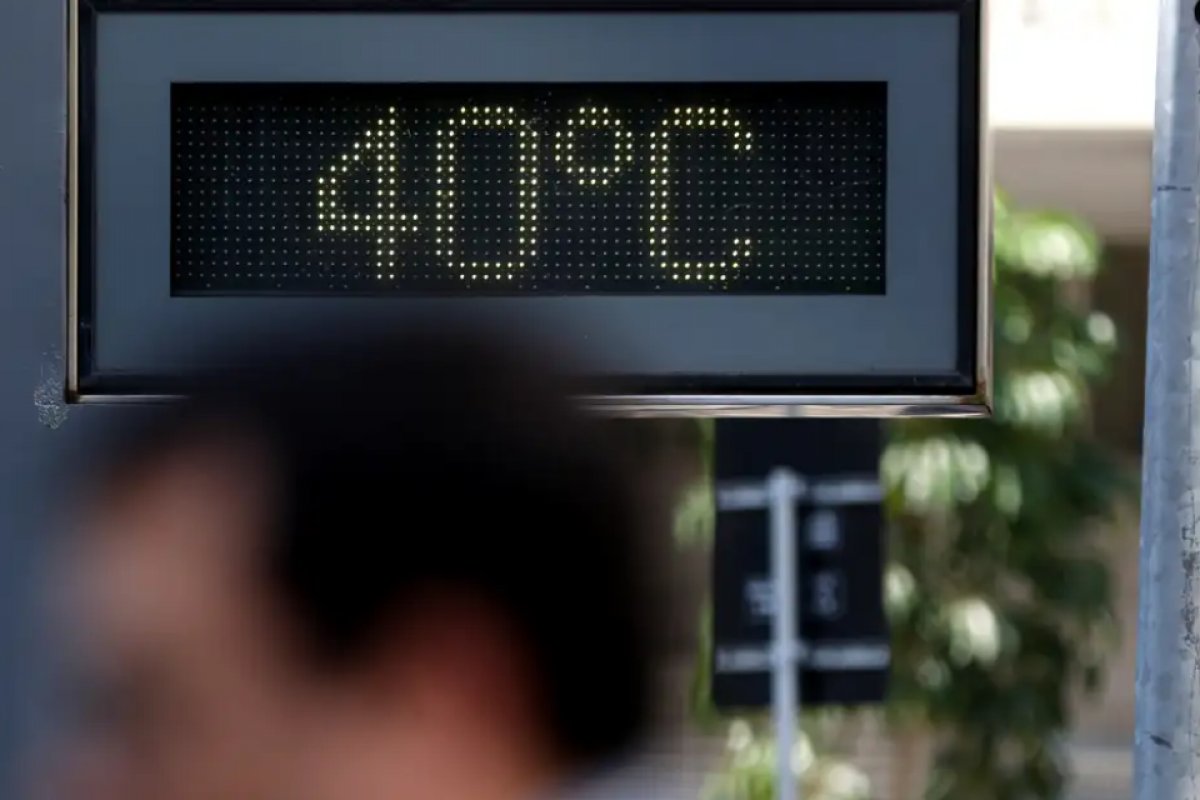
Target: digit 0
[
  {"x": 684, "y": 119},
  {"x": 447, "y": 192}
]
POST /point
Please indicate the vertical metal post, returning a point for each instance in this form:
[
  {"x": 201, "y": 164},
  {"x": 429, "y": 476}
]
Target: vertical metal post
[
  {"x": 1167, "y": 729},
  {"x": 783, "y": 490}
]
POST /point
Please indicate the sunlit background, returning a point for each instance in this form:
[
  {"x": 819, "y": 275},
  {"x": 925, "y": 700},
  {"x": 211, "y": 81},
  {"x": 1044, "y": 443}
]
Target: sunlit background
[{"x": 1013, "y": 544}]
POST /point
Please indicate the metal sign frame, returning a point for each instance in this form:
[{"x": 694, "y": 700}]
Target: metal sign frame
[{"x": 967, "y": 392}]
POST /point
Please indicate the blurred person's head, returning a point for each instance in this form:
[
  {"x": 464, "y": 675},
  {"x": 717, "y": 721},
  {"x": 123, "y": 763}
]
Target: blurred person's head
[{"x": 378, "y": 570}]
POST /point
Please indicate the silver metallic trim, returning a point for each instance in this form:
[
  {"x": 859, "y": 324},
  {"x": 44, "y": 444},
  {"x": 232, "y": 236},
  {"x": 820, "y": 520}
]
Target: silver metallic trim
[
  {"x": 984, "y": 357},
  {"x": 651, "y": 406},
  {"x": 814, "y": 405},
  {"x": 715, "y": 406},
  {"x": 72, "y": 253}
]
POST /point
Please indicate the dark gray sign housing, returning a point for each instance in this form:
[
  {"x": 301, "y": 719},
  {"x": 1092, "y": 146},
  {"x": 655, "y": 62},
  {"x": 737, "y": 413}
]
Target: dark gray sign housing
[{"x": 728, "y": 206}]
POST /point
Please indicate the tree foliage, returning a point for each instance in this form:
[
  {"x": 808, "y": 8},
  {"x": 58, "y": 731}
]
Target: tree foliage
[{"x": 999, "y": 594}]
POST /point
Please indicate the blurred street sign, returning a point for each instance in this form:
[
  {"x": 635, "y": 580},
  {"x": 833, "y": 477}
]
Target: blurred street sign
[{"x": 843, "y": 644}]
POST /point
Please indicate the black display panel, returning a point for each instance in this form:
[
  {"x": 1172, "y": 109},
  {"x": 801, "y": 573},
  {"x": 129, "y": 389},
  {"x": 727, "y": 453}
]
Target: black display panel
[{"x": 450, "y": 189}]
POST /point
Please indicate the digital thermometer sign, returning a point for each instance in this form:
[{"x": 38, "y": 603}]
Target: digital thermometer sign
[
  {"x": 638, "y": 188},
  {"x": 721, "y": 207}
]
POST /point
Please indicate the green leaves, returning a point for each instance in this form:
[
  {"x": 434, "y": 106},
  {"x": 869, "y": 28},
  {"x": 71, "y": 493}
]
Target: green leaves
[
  {"x": 1045, "y": 245},
  {"x": 1008, "y": 610},
  {"x": 750, "y": 772},
  {"x": 1000, "y": 604},
  {"x": 934, "y": 473},
  {"x": 1045, "y": 401},
  {"x": 974, "y": 632},
  {"x": 696, "y": 514}
]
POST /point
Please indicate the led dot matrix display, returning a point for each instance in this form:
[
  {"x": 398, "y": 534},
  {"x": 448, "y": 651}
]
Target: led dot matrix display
[{"x": 548, "y": 188}]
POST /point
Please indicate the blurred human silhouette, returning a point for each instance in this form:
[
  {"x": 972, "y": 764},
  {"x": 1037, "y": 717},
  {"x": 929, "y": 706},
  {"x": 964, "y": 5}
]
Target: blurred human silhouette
[{"x": 399, "y": 568}]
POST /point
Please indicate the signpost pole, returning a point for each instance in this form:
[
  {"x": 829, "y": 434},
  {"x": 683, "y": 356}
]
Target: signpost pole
[
  {"x": 783, "y": 489},
  {"x": 1167, "y": 730}
]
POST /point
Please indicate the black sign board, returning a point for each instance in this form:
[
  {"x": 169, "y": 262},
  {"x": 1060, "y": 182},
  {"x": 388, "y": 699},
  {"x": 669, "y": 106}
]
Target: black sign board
[
  {"x": 720, "y": 205},
  {"x": 840, "y": 564},
  {"x": 478, "y": 188}
]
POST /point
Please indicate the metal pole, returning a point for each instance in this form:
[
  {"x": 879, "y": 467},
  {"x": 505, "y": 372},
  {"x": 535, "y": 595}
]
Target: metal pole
[
  {"x": 1167, "y": 729},
  {"x": 783, "y": 488}
]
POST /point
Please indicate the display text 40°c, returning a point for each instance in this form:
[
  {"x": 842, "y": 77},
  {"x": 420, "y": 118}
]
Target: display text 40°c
[{"x": 387, "y": 222}]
